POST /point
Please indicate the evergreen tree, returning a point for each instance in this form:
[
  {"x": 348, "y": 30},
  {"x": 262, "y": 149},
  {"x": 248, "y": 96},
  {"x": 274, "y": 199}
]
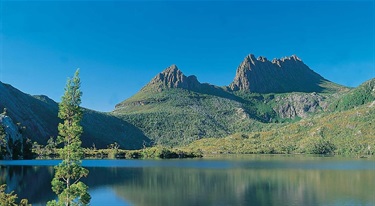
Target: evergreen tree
[{"x": 66, "y": 182}]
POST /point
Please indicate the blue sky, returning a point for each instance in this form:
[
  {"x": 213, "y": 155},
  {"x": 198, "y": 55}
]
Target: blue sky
[{"x": 120, "y": 46}]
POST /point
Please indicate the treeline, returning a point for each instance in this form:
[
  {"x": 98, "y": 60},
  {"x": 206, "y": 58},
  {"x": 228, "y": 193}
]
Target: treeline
[{"x": 113, "y": 151}]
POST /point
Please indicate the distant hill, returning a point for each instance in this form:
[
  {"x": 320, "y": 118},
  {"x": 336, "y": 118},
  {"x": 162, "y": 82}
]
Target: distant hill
[{"x": 39, "y": 115}]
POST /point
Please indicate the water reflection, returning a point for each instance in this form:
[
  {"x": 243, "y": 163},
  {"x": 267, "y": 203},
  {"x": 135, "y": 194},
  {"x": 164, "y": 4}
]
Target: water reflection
[
  {"x": 247, "y": 187},
  {"x": 176, "y": 183},
  {"x": 30, "y": 182}
]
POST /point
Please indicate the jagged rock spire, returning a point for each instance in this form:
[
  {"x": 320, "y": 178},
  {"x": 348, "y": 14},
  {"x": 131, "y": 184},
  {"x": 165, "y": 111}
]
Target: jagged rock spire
[{"x": 172, "y": 77}]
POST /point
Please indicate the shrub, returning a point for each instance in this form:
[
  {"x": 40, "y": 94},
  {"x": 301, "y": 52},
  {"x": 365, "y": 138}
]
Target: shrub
[{"x": 323, "y": 146}]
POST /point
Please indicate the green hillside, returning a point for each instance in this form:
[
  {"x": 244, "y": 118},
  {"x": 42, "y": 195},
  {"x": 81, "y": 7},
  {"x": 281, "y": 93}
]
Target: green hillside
[
  {"x": 348, "y": 132},
  {"x": 363, "y": 94},
  {"x": 178, "y": 116}
]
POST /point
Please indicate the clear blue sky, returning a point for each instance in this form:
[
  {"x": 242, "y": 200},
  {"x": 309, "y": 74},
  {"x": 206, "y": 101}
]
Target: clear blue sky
[{"x": 120, "y": 46}]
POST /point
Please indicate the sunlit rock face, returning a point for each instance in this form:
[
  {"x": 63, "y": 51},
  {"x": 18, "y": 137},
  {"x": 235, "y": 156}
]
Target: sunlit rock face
[{"x": 12, "y": 134}]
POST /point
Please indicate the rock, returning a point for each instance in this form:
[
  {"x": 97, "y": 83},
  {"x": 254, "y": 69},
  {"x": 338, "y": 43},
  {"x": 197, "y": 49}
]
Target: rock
[
  {"x": 299, "y": 105},
  {"x": 242, "y": 113},
  {"x": 12, "y": 134},
  {"x": 288, "y": 74},
  {"x": 172, "y": 77}
]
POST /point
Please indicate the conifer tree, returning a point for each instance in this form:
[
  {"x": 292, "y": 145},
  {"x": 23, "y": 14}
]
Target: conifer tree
[{"x": 66, "y": 182}]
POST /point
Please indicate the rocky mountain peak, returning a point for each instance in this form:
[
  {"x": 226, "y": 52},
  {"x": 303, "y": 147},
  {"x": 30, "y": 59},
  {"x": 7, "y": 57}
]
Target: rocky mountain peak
[
  {"x": 172, "y": 77},
  {"x": 286, "y": 74},
  {"x": 171, "y": 70},
  {"x": 249, "y": 59}
]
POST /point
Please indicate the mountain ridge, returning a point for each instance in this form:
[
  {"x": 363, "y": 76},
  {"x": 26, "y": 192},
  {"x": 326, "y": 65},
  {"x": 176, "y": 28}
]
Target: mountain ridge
[
  {"x": 257, "y": 75},
  {"x": 288, "y": 74}
]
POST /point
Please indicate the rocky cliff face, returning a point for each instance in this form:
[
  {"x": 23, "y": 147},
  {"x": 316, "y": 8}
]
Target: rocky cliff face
[
  {"x": 299, "y": 105},
  {"x": 172, "y": 77},
  {"x": 287, "y": 74},
  {"x": 12, "y": 134}
]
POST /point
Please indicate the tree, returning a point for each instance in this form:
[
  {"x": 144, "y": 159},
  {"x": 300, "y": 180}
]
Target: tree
[
  {"x": 66, "y": 182},
  {"x": 9, "y": 199},
  {"x": 50, "y": 147}
]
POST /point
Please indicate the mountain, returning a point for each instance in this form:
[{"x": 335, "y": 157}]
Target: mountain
[
  {"x": 39, "y": 115},
  {"x": 288, "y": 74},
  {"x": 175, "y": 109}
]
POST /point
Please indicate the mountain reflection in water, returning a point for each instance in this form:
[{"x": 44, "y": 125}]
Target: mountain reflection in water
[{"x": 208, "y": 182}]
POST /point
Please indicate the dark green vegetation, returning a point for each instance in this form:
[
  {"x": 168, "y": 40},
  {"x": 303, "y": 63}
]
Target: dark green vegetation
[
  {"x": 10, "y": 199},
  {"x": 2, "y": 142},
  {"x": 66, "y": 182},
  {"x": 176, "y": 110}
]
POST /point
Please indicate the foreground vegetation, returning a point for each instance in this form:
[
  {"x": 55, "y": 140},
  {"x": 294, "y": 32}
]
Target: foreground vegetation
[
  {"x": 10, "y": 199},
  {"x": 114, "y": 152}
]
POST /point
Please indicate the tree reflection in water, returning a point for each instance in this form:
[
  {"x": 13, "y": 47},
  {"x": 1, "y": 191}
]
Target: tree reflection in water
[{"x": 174, "y": 185}]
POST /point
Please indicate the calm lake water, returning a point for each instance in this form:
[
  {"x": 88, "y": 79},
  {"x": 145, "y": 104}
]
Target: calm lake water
[{"x": 242, "y": 180}]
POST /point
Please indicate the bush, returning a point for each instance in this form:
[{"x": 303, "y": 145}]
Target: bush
[{"x": 323, "y": 146}]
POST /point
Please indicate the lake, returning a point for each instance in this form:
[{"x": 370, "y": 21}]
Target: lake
[{"x": 225, "y": 180}]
